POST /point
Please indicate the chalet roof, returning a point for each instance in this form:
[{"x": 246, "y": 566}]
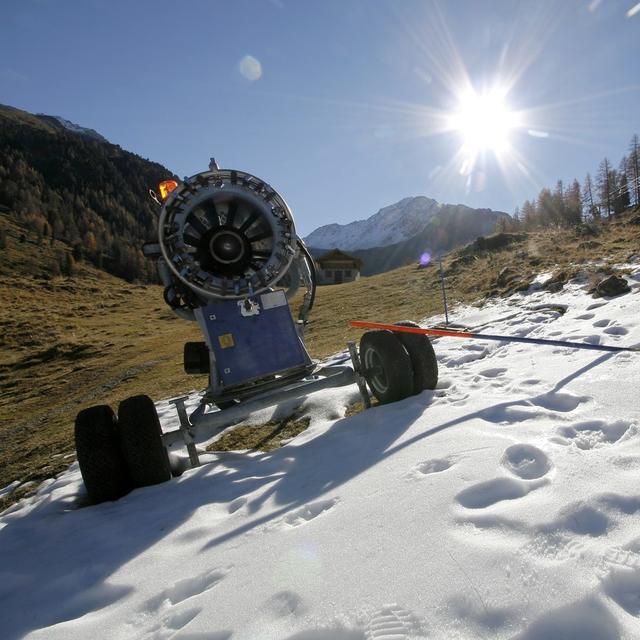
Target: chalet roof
[{"x": 336, "y": 255}]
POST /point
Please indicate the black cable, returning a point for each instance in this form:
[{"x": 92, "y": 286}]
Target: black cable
[{"x": 312, "y": 270}]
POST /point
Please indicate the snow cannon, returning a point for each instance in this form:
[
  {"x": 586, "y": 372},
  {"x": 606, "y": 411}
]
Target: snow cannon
[
  {"x": 225, "y": 235},
  {"x": 230, "y": 259}
]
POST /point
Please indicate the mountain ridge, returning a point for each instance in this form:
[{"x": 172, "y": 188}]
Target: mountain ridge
[
  {"x": 442, "y": 227},
  {"x": 59, "y": 122},
  {"x": 392, "y": 224}
]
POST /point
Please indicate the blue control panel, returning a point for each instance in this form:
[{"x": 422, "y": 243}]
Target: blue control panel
[{"x": 252, "y": 338}]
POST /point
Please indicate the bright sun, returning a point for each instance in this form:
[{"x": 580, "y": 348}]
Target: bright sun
[{"x": 484, "y": 122}]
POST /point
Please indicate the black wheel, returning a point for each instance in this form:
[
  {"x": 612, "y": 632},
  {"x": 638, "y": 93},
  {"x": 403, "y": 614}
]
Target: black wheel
[
  {"x": 141, "y": 438},
  {"x": 423, "y": 358},
  {"x": 196, "y": 358},
  {"x": 387, "y": 366},
  {"x": 99, "y": 454}
]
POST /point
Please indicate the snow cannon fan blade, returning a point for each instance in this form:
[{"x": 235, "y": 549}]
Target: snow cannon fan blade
[{"x": 226, "y": 234}]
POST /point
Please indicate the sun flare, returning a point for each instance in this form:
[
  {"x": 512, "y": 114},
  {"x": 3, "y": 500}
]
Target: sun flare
[{"x": 484, "y": 121}]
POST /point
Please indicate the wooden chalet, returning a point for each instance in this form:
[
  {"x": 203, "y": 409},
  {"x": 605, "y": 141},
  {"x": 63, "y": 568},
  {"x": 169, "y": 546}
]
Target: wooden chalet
[{"x": 336, "y": 267}]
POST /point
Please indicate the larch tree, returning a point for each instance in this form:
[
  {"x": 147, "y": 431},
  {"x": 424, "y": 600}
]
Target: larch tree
[
  {"x": 587, "y": 198},
  {"x": 573, "y": 204}
]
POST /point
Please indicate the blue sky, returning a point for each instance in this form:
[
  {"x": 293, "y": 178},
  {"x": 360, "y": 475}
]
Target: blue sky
[{"x": 341, "y": 105}]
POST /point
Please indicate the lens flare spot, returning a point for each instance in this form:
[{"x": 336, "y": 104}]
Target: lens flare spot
[
  {"x": 632, "y": 12},
  {"x": 250, "y": 68},
  {"x": 534, "y": 133},
  {"x": 425, "y": 259}
]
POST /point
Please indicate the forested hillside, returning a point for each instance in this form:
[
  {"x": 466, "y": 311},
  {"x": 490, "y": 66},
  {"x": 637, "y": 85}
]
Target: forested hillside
[
  {"x": 611, "y": 192},
  {"x": 91, "y": 195}
]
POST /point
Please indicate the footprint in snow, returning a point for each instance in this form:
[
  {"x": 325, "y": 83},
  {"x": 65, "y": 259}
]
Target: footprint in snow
[
  {"x": 605, "y": 322},
  {"x": 616, "y": 331},
  {"x": 339, "y": 633},
  {"x": 173, "y": 618},
  {"x": 465, "y": 358},
  {"x": 309, "y": 512},
  {"x": 493, "y": 373},
  {"x": 392, "y": 622},
  {"x": 587, "y": 619},
  {"x": 526, "y": 461},
  {"x": 596, "y": 305},
  {"x": 187, "y": 588},
  {"x": 626, "y": 557},
  {"x": 176, "y": 620},
  {"x": 436, "y": 465},
  {"x": 167, "y": 627},
  {"x": 586, "y": 316},
  {"x": 627, "y": 463},
  {"x": 592, "y": 433},
  {"x": 486, "y": 494},
  {"x": 507, "y": 415},
  {"x": 622, "y": 585},
  {"x": 284, "y": 604},
  {"x": 561, "y": 402},
  {"x": 236, "y": 504}
]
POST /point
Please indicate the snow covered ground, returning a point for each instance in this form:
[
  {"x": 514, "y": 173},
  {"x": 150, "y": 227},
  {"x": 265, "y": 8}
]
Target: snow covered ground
[{"x": 505, "y": 504}]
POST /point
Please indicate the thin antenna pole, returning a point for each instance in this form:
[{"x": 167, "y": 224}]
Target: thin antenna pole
[{"x": 444, "y": 293}]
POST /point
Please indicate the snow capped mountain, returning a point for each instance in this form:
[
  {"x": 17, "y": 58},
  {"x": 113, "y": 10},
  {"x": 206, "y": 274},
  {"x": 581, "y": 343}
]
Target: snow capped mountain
[
  {"x": 400, "y": 233},
  {"x": 392, "y": 224},
  {"x": 61, "y": 123}
]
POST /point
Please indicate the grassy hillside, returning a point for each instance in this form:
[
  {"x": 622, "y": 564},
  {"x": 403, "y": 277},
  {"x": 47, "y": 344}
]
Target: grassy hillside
[
  {"x": 70, "y": 342},
  {"x": 89, "y": 193}
]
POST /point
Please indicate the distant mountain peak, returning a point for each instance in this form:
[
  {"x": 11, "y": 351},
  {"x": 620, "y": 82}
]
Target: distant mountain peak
[
  {"x": 61, "y": 123},
  {"x": 390, "y": 225}
]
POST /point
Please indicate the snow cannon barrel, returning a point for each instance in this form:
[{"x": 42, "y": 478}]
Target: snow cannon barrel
[{"x": 223, "y": 234}]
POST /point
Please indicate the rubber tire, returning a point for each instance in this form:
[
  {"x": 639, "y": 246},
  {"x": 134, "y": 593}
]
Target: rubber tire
[
  {"x": 146, "y": 456},
  {"x": 423, "y": 358},
  {"x": 391, "y": 355},
  {"x": 100, "y": 457}
]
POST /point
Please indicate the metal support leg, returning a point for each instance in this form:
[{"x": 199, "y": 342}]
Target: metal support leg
[
  {"x": 357, "y": 368},
  {"x": 185, "y": 430}
]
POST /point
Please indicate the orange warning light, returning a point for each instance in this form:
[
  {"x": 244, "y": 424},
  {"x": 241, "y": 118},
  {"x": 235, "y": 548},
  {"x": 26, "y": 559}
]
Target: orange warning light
[{"x": 166, "y": 187}]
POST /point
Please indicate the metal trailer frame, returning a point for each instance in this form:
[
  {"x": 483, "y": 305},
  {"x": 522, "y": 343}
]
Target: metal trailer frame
[{"x": 210, "y": 423}]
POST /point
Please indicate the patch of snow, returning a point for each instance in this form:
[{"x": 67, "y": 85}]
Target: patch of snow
[
  {"x": 542, "y": 278},
  {"x": 504, "y": 504},
  {"x": 10, "y": 488}
]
